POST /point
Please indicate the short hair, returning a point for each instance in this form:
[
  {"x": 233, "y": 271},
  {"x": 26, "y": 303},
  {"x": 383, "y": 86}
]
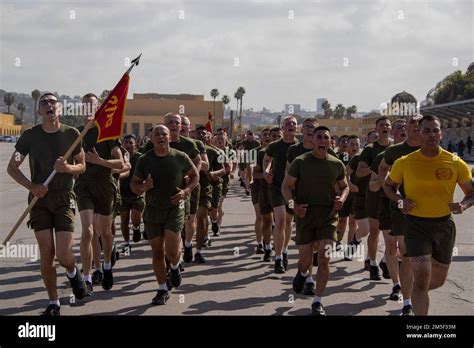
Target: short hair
[
  {"x": 400, "y": 120},
  {"x": 200, "y": 128},
  {"x": 183, "y": 117},
  {"x": 342, "y": 137},
  {"x": 46, "y": 94},
  {"x": 350, "y": 137},
  {"x": 130, "y": 136},
  {"x": 90, "y": 95},
  {"x": 382, "y": 118},
  {"x": 310, "y": 119},
  {"x": 429, "y": 118},
  {"x": 169, "y": 114},
  {"x": 289, "y": 117},
  {"x": 322, "y": 128},
  {"x": 276, "y": 129},
  {"x": 162, "y": 125},
  {"x": 265, "y": 130},
  {"x": 370, "y": 132}
]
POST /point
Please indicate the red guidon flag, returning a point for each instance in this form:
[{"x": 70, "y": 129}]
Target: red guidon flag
[
  {"x": 109, "y": 117},
  {"x": 208, "y": 125}
]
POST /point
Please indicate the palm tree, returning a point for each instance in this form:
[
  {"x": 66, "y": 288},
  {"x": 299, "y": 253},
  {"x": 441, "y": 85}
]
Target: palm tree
[
  {"x": 339, "y": 111},
  {"x": 240, "y": 92},
  {"x": 350, "y": 111},
  {"x": 237, "y": 98},
  {"x": 327, "y": 109},
  {"x": 104, "y": 94},
  {"x": 36, "y": 95},
  {"x": 21, "y": 107},
  {"x": 214, "y": 94},
  {"x": 9, "y": 99}
]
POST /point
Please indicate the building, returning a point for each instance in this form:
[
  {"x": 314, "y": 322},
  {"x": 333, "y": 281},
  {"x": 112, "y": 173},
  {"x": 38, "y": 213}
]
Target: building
[
  {"x": 319, "y": 105},
  {"x": 7, "y": 125},
  {"x": 292, "y": 109},
  {"x": 339, "y": 127},
  {"x": 148, "y": 109}
]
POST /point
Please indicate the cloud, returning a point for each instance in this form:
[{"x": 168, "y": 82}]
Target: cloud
[{"x": 389, "y": 46}]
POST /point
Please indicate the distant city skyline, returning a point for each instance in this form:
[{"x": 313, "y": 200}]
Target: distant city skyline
[{"x": 350, "y": 52}]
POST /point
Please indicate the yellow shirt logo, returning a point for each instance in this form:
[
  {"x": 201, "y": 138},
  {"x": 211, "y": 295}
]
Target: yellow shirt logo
[{"x": 444, "y": 173}]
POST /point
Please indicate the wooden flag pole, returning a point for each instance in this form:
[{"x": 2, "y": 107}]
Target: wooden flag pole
[{"x": 88, "y": 126}]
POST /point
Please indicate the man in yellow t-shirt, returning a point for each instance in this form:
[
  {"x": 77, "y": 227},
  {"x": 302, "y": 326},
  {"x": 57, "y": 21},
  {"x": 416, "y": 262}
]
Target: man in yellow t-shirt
[{"x": 429, "y": 177}]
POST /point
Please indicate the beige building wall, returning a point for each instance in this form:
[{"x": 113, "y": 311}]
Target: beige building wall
[
  {"x": 340, "y": 127},
  {"x": 7, "y": 125},
  {"x": 145, "y": 110}
]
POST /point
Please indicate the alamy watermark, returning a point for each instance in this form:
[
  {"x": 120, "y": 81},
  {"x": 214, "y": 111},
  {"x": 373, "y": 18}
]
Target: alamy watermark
[
  {"x": 20, "y": 251},
  {"x": 238, "y": 156},
  {"x": 399, "y": 109},
  {"x": 352, "y": 251}
]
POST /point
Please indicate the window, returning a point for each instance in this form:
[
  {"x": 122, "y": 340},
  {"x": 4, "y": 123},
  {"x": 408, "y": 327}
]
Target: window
[
  {"x": 147, "y": 127},
  {"x": 136, "y": 129},
  {"x": 125, "y": 128}
]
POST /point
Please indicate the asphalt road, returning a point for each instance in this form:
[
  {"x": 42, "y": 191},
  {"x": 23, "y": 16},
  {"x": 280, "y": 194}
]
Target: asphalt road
[{"x": 234, "y": 281}]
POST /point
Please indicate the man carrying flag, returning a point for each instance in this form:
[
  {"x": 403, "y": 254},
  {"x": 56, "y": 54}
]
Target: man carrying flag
[
  {"x": 96, "y": 192},
  {"x": 45, "y": 144}
]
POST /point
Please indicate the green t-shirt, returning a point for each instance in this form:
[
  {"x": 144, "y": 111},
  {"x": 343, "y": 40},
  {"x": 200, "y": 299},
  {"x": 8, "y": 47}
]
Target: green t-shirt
[
  {"x": 250, "y": 144},
  {"x": 44, "y": 149},
  {"x": 375, "y": 168},
  {"x": 344, "y": 157},
  {"x": 260, "y": 156},
  {"x": 215, "y": 157},
  {"x": 167, "y": 173},
  {"x": 363, "y": 182},
  {"x": 316, "y": 178},
  {"x": 200, "y": 146},
  {"x": 395, "y": 152},
  {"x": 187, "y": 145},
  {"x": 147, "y": 147},
  {"x": 298, "y": 149},
  {"x": 125, "y": 189},
  {"x": 278, "y": 150},
  {"x": 370, "y": 152},
  {"x": 95, "y": 172}
]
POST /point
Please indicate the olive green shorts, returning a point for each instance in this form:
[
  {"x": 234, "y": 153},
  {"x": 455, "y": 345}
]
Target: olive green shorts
[
  {"x": 132, "y": 202},
  {"x": 396, "y": 217},
  {"x": 383, "y": 213},
  {"x": 158, "y": 220},
  {"x": 372, "y": 202},
  {"x": 320, "y": 222},
  {"x": 194, "y": 200},
  {"x": 216, "y": 195},
  {"x": 55, "y": 210},
  {"x": 225, "y": 185},
  {"x": 430, "y": 236},
  {"x": 264, "y": 200},
  {"x": 347, "y": 207},
  {"x": 205, "y": 196},
  {"x": 97, "y": 196},
  {"x": 359, "y": 207},
  {"x": 255, "y": 192},
  {"x": 276, "y": 199}
]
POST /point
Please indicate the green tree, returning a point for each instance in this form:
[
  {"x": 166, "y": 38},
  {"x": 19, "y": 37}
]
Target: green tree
[
  {"x": 240, "y": 96},
  {"x": 9, "y": 99},
  {"x": 21, "y": 107},
  {"x": 36, "y": 95},
  {"x": 350, "y": 111},
  {"x": 104, "y": 95},
  {"x": 214, "y": 95},
  {"x": 327, "y": 109},
  {"x": 339, "y": 111}
]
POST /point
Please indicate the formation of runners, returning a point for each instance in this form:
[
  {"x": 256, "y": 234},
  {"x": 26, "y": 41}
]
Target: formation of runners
[{"x": 401, "y": 184}]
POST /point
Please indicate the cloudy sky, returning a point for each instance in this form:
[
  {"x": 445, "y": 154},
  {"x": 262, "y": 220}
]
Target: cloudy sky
[{"x": 349, "y": 51}]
